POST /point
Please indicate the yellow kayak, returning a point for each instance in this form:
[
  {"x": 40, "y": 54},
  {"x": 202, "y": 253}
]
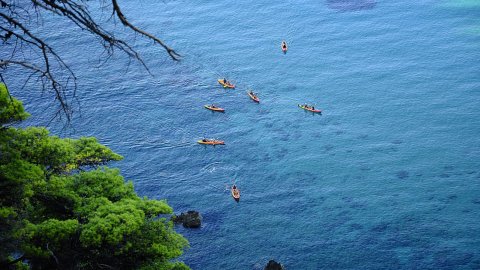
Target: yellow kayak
[
  {"x": 226, "y": 85},
  {"x": 235, "y": 193},
  {"x": 214, "y": 108}
]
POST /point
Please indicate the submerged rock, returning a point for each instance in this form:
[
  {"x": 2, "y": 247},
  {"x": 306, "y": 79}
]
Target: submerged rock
[
  {"x": 190, "y": 219},
  {"x": 351, "y": 5},
  {"x": 273, "y": 265}
]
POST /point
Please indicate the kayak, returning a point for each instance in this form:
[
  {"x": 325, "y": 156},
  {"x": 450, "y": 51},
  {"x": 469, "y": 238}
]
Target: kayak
[
  {"x": 284, "y": 47},
  {"x": 309, "y": 109},
  {"x": 235, "y": 193},
  {"x": 226, "y": 85},
  {"x": 253, "y": 97},
  {"x": 215, "y": 109},
  {"x": 211, "y": 142}
]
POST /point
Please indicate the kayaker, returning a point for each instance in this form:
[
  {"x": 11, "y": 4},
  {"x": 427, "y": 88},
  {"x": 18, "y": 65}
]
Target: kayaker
[
  {"x": 225, "y": 81},
  {"x": 204, "y": 140},
  {"x": 284, "y": 45},
  {"x": 313, "y": 107}
]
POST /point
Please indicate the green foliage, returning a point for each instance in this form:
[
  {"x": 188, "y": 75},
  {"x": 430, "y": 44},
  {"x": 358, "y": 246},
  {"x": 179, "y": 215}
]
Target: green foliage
[
  {"x": 39, "y": 239},
  {"x": 54, "y": 154},
  {"x": 11, "y": 109},
  {"x": 59, "y": 210},
  {"x": 105, "y": 182},
  {"x": 18, "y": 179},
  {"x": 7, "y": 212},
  {"x": 19, "y": 265},
  {"x": 111, "y": 223},
  {"x": 163, "y": 266},
  {"x": 88, "y": 152},
  {"x": 153, "y": 208}
]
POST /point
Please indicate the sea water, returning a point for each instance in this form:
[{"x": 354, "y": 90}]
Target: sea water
[{"x": 388, "y": 177}]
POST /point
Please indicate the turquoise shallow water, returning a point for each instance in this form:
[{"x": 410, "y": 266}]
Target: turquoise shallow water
[{"x": 387, "y": 178}]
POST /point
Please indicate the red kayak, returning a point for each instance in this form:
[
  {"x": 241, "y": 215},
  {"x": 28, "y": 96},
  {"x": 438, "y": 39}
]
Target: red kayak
[
  {"x": 253, "y": 96},
  {"x": 284, "y": 47}
]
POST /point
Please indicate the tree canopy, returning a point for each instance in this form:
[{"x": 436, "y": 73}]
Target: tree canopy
[
  {"x": 11, "y": 109},
  {"x": 60, "y": 209}
]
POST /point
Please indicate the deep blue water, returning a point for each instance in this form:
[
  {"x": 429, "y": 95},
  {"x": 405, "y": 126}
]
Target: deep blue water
[{"x": 387, "y": 178}]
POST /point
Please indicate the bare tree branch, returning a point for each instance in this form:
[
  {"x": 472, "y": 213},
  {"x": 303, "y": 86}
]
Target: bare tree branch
[
  {"x": 31, "y": 52},
  {"x": 116, "y": 8},
  {"x": 53, "y": 255}
]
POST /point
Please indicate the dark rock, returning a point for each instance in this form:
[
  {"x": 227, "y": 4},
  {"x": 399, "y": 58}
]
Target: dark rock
[
  {"x": 190, "y": 219},
  {"x": 273, "y": 265}
]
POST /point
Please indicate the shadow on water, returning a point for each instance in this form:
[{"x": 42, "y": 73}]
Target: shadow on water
[
  {"x": 351, "y": 5},
  {"x": 402, "y": 174}
]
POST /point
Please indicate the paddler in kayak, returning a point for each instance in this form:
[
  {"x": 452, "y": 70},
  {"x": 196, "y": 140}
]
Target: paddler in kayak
[
  {"x": 213, "y": 142},
  {"x": 310, "y": 108},
  {"x": 253, "y": 96},
  {"x": 284, "y": 46},
  {"x": 225, "y": 83},
  {"x": 235, "y": 193}
]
